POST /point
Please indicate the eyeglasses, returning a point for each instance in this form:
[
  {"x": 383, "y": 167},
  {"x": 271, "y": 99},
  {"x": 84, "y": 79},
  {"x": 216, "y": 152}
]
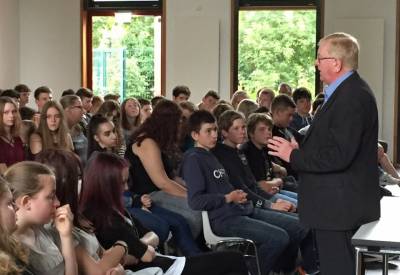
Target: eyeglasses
[{"x": 319, "y": 59}]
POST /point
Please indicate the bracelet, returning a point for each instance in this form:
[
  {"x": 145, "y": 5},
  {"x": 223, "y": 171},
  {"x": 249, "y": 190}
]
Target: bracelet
[{"x": 122, "y": 244}]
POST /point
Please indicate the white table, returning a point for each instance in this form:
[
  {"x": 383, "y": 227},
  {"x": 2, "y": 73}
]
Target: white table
[{"x": 380, "y": 237}]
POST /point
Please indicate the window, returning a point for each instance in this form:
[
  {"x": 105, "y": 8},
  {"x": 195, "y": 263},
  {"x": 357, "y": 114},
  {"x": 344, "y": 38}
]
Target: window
[
  {"x": 123, "y": 51},
  {"x": 275, "y": 42}
]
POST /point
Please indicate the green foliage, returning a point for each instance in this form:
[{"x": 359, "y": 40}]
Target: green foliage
[
  {"x": 276, "y": 46},
  {"x": 137, "y": 40}
]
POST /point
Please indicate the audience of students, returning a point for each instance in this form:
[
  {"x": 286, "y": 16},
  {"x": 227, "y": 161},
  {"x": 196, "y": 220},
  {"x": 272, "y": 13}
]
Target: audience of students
[
  {"x": 277, "y": 236},
  {"x": 231, "y": 176},
  {"x": 101, "y": 204}
]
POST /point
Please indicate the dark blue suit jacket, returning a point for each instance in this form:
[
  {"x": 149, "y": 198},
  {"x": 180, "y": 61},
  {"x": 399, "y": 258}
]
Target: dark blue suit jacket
[{"x": 337, "y": 161}]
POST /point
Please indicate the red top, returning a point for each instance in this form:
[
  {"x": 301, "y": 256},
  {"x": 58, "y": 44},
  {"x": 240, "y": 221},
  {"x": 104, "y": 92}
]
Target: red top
[{"x": 11, "y": 153}]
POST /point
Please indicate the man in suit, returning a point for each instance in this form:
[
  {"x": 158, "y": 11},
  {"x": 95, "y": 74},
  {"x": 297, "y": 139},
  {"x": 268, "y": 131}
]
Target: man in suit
[{"x": 336, "y": 160}]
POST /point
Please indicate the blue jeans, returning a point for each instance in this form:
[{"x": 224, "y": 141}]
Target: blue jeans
[
  {"x": 287, "y": 196},
  {"x": 277, "y": 236},
  {"x": 161, "y": 221}
]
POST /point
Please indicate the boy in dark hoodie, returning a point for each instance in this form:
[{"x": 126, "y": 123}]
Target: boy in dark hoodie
[{"x": 231, "y": 214}]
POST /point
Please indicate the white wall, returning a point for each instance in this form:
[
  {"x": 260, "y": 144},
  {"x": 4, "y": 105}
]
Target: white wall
[
  {"x": 177, "y": 11},
  {"x": 344, "y": 15},
  {"x": 9, "y": 43},
  {"x": 50, "y": 44}
]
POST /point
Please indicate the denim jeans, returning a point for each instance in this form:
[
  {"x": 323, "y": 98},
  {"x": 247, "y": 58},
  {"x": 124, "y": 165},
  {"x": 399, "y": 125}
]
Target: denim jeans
[
  {"x": 287, "y": 196},
  {"x": 180, "y": 206},
  {"x": 276, "y": 235},
  {"x": 161, "y": 221}
]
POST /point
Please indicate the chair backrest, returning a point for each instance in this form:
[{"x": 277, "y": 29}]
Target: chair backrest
[{"x": 209, "y": 236}]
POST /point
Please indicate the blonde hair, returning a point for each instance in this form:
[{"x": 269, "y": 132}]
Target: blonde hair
[
  {"x": 343, "y": 46},
  {"x": 11, "y": 250},
  {"x": 247, "y": 107},
  {"x": 237, "y": 97},
  {"x": 23, "y": 177}
]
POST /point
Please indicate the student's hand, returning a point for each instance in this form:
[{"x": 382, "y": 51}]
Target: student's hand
[
  {"x": 118, "y": 270},
  {"x": 237, "y": 196},
  {"x": 63, "y": 220},
  {"x": 146, "y": 200},
  {"x": 282, "y": 205}
]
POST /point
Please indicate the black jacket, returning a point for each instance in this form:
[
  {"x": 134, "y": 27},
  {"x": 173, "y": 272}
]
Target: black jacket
[{"x": 337, "y": 161}]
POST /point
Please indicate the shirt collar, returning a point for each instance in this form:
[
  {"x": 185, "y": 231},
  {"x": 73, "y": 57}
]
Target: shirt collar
[{"x": 330, "y": 89}]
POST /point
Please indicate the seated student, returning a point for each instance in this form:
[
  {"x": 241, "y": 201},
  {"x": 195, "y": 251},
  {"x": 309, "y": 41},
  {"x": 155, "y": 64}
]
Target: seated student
[
  {"x": 209, "y": 189},
  {"x": 282, "y": 109},
  {"x": 247, "y": 107},
  {"x": 52, "y": 131},
  {"x": 24, "y": 93},
  {"x": 145, "y": 109},
  {"x": 264, "y": 97},
  {"x": 151, "y": 167},
  {"x": 209, "y": 100},
  {"x": 185, "y": 139},
  {"x": 101, "y": 135},
  {"x": 11, "y": 146},
  {"x": 130, "y": 117},
  {"x": 302, "y": 116},
  {"x": 91, "y": 257},
  {"x": 101, "y": 203},
  {"x": 259, "y": 130},
  {"x": 103, "y": 139},
  {"x": 13, "y": 256},
  {"x": 233, "y": 130},
  {"x": 14, "y": 95},
  {"x": 42, "y": 95},
  {"x": 180, "y": 93},
  {"x": 111, "y": 110},
  {"x": 73, "y": 111},
  {"x": 237, "y": 97},
  {"x": 34, "y": 191},
  {"x": 86, "y": 97},
  {"x": 96, "y": 103}
]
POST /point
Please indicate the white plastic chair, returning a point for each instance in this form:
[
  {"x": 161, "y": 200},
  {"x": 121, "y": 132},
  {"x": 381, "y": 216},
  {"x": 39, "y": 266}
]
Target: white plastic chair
[{"x": 213, "y": 241}]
